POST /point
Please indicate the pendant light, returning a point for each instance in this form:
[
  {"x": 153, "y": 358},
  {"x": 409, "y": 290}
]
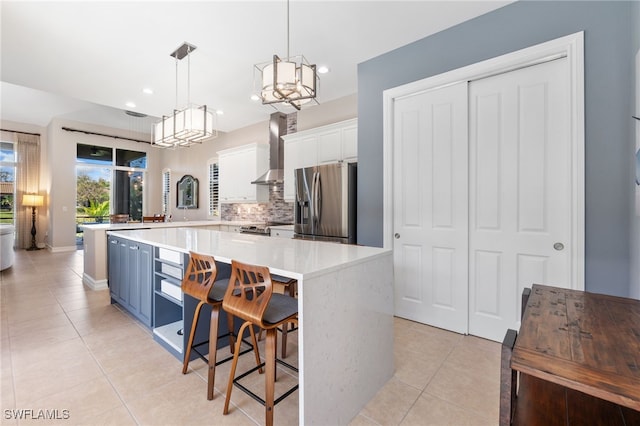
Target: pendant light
[
  {"x": 190, "y": 125},
  {"x": 291, "y": 80}
]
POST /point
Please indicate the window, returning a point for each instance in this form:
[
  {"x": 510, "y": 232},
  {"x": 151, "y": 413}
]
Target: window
[
  {"x": 166, "y": 191},
  {"x": 7, "y": 182},
  {"x": 109, "y": 184},
  {"x": 214, "y": 202}
]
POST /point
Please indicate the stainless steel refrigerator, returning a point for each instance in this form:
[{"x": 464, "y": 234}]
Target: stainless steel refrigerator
[{"x": 325, "y": 204}]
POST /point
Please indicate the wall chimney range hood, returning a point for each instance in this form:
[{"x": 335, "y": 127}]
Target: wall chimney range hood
[{"x": 277, "y": 129}]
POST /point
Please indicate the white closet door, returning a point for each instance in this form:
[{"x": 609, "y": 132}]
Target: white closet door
[
  {"x": 520, "y": 191},
  {"x": 430, "y": 207}
]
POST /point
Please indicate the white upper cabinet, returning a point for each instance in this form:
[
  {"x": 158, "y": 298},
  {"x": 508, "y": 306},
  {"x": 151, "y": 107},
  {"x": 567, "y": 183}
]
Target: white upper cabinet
[
  {"x": 332, "y": 143},
  {"x": 237, "y": 168}
]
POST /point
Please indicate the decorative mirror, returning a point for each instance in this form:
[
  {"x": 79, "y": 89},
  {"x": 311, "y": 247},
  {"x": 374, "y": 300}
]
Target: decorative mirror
[{"x": 187, "y": 193}]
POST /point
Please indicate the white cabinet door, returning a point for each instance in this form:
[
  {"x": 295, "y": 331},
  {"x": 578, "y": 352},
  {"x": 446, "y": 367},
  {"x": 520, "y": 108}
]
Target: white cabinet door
[
  {"x": 238, "y": 167},
  {"x": 350, "y": 143},
  {"x": 323, "y": 145},
  {"x": 228, "y": 167},
  {"x": 299, "y": 151},
  {"x": 330, "y": 146}
]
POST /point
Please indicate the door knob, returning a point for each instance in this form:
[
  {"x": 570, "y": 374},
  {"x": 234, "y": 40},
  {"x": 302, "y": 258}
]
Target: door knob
[
  {"x": 558, "y": 246},
  {"x": 396, "y": 235}
]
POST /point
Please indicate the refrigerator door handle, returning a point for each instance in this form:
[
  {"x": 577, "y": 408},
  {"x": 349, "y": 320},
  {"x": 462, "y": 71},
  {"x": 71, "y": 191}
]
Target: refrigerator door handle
[
  {"x": 314, "y": 197},
  {"x": 319, "y": 199}
]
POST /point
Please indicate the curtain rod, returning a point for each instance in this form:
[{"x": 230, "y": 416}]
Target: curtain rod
[
  {"x": 18, "y": 131},
  {"x": 68, "y": 129}
]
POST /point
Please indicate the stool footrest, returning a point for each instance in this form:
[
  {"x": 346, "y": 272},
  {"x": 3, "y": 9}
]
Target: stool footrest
[
  {"x": 222, "y": 361},
  {"x": 258, "y": 398}
]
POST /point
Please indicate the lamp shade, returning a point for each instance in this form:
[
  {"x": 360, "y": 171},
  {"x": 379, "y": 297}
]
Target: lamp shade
[
  {"x": 291, "y": 81},
  {"x": 32, "y": 200}
]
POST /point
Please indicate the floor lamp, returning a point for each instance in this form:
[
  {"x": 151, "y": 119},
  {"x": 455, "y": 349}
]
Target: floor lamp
[{"x": 33, "y": 201}]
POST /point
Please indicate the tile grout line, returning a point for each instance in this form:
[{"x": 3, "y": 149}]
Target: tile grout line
[
  {"x": 104, "y": 373},
  {"x": 424, "y": 389},
  {"x": 462, "y": 407}
]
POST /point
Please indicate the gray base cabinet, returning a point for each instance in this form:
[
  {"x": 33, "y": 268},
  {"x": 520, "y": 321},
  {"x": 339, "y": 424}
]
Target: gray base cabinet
[{"x": 131, "y": 277}]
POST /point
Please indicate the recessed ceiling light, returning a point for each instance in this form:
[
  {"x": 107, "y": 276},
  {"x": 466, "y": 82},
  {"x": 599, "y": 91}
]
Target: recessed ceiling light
[
  {"x": 130, "y": 105},
  {"x": 255, "y": 97},
  {"x": 219, "y": 112},
  {"x": 147, "y": 91},
  {"x": 323, "y": 69}
]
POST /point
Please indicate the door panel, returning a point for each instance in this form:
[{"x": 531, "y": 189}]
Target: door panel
[
  {"x": 519, "y": 201},
  {"x": 430, "y": 207}
]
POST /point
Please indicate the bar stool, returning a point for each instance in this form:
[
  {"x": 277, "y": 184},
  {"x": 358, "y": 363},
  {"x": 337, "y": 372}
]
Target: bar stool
[
  {"x": 290, "y": 286},
  {"x": 250, "y": 297},
  {"x": 200, "y": 283}
]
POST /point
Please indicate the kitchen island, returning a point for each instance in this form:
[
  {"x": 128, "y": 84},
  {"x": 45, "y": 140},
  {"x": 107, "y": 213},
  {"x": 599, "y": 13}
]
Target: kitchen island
[
  {"x": 95, "y": 244},
  {"x": 345, "y": 303}
]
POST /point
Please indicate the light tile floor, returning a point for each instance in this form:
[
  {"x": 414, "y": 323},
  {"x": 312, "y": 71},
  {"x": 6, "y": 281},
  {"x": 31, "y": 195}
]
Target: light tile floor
[{"x": 66, "y": 348}]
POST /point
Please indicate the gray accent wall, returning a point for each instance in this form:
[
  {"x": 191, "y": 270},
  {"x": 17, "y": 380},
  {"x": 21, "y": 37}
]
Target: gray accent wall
[
  {"x": 635, "y": 145},
  {"x": 609, "y": 98}
]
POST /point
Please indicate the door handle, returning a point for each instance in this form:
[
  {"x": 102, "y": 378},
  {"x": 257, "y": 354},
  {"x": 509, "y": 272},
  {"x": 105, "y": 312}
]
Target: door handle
[
  {"x": 396, "y": 235},
  {"x": 558, "y": 246}
]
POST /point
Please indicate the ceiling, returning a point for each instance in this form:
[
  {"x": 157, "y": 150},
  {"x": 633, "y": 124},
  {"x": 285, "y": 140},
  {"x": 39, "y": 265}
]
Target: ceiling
[{"x": 84, "y": 60}]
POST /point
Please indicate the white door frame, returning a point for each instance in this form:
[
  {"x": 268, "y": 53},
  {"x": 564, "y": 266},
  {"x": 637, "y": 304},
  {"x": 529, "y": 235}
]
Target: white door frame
[{"x": 571, "y": 47}]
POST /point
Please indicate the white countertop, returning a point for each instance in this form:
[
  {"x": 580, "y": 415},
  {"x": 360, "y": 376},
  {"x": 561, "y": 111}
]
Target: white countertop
[
  {"x": 137, "y": 225},
  {"x": 288, "y": 257}
]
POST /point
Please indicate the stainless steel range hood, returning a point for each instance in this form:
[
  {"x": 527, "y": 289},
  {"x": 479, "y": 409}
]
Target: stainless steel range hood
[{"x": 277, "y": 128}]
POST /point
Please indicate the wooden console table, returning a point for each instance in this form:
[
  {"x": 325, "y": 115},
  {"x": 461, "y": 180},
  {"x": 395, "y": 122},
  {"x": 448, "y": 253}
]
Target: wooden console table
[{"x": 582, "y": 341}]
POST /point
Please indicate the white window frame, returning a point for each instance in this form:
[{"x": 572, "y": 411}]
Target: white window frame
[
  {"x": 213, "y": 188},
  {"x": 166, "y": 192}
]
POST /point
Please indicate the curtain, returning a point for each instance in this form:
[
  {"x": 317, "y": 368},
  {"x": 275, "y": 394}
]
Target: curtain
[{"x": 27, "y": 182}]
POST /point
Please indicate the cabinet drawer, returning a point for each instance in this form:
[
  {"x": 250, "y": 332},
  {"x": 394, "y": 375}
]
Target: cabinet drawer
[
  {"x": 282, "y": 233},
  {"x": 171, "y": 270},
  {"x": 169, "y": 288},
  {"x": 170, "y": 255}
]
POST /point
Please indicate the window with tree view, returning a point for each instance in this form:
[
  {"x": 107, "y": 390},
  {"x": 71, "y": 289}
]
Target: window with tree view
[
  {"x": 7, "y": 182},
  {"x": 109, "y": 181}
]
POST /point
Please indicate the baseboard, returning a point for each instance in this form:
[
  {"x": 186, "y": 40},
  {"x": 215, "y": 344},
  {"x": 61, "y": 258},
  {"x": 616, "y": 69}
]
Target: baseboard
[
  {"x": 62, "y": 249},
  {"x": 93, "y": 284}
]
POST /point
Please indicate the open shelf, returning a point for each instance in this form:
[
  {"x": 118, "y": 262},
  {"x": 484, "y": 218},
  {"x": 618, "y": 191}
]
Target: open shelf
[
  {"x": 169, "y": 334},
  {"x": 169, "y": 297}
]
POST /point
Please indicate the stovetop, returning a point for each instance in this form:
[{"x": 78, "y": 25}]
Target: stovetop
[{"x": 260, "y": 228}]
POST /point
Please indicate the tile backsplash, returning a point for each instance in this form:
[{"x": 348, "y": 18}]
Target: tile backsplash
[{"x": 276, "y": 210}]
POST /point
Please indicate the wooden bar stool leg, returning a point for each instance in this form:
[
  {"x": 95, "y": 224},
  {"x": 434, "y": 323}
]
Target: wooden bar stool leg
[
  {"x": 230, "y": 327},
  {"x": 192, "y": 334},
  {"x": 285, "y": 327},
  {"x": 232, "y": 372},
  {"x": 254, "y": 342},
  {"x": 291, "y": 287},
  {"x": 234, "y": 364},
  {"x": 213, "y": 349},
  {"x": 270, "y": 379}
]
